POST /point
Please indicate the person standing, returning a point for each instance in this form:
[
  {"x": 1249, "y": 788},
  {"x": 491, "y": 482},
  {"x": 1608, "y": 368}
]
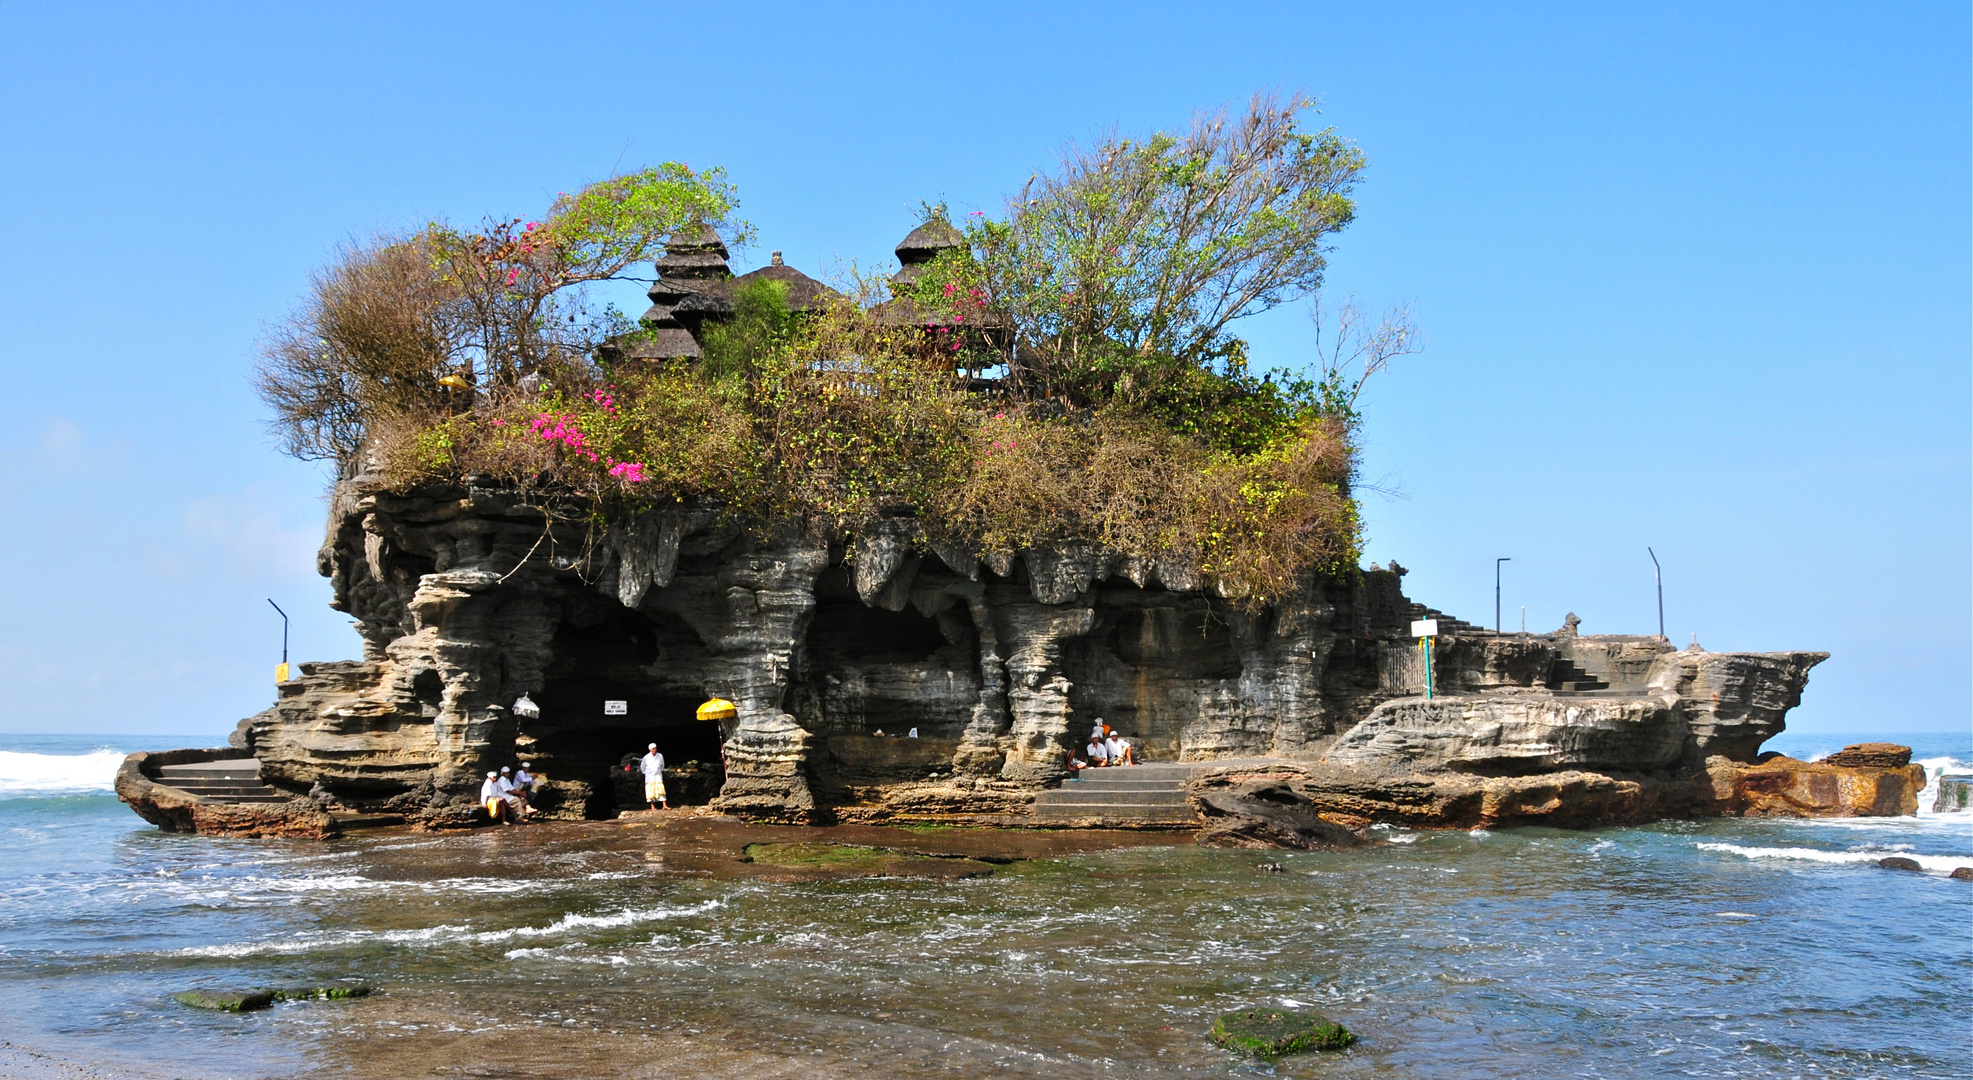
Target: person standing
[{"x": 653, "y": 765}]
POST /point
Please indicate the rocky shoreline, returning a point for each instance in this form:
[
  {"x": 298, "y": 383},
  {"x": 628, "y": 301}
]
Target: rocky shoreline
[{"x": 878, "y": 679}]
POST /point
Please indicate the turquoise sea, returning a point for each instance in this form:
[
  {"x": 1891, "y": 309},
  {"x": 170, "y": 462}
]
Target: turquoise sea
[{"x": 1713, "y": 949}]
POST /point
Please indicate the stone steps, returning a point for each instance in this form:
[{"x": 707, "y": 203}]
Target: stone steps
[
  {"x": 1568, "y": 677},
  {"x": 232, "y": 769},
  {"x": 1448, "y": 626},
  {"x": 234, "y": 781},
  {"x": 1128, "y": 796},
  {"x": 270, "y": 795},
  {"x": 1071, "y": 796}
]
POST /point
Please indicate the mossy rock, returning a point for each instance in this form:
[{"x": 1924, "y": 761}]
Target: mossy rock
[
  {"x": 252, "y": 1000},
  {"x": 1274, "y": 1032},
  {"x": 853, "y": 860},
  {"x": 321, "y": 993},
  {"x": 226, "y": 1000}
]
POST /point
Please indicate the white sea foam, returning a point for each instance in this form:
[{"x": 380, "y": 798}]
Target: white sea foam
[
  {"x": 445, "y": 934},
  {"x": 220, "y": 889},
  {"x": 1934, "y": 769},
  {"x": 1943, "y": 864},
  {"x": 57, "y": 774}
]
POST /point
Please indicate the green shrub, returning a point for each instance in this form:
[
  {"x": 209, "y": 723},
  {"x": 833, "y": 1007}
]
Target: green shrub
[{"x": 1127, "y": 416}]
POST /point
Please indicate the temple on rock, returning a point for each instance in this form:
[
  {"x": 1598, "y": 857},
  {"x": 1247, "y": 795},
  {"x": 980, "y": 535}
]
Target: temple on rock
[{"x": 833, "y": 650}]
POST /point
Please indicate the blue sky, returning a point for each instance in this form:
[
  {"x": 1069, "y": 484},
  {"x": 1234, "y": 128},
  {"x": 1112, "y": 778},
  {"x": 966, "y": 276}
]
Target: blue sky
[{"x": 1692, "y": 276}]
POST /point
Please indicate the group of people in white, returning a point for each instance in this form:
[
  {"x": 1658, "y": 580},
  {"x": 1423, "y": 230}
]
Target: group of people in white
[
  {"x": 507, "y": 794},
  {"x": 1105, "y": 748}
]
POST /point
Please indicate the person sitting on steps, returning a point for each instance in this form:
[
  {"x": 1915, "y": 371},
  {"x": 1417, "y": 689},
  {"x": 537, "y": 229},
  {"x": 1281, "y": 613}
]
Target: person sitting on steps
[
  {"x": 494, "y": 799},
  {"x": 524, "y": 782},
  {"x": 515, "y": 794},
  {"x": 1098, "y": 752},
  {"x": 1076, "y": 765},
  {"x": 1121, "y": 752}
]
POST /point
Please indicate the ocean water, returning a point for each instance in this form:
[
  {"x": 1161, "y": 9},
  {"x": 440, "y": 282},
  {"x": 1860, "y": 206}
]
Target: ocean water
[{"x": 1683, "y": 949}]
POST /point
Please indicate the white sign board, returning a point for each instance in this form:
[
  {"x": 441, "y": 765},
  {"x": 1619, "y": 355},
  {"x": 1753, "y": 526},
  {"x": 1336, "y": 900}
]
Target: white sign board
[
  {"x": 616, "y": 708},
  {"x": 1425, "y": 628}
]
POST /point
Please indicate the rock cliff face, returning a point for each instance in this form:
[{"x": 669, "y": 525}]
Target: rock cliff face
[
  {"x": 468, "y": 598},
  {"x": 832, "y": 653}
]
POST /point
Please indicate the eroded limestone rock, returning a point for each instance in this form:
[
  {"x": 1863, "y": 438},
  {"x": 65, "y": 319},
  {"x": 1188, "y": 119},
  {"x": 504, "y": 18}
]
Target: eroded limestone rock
[{"x": 834, "y": 649}]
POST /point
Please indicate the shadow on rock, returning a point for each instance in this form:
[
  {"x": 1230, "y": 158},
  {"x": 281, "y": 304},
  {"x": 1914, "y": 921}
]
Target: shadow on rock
[{"x": 1266, "y": 813}]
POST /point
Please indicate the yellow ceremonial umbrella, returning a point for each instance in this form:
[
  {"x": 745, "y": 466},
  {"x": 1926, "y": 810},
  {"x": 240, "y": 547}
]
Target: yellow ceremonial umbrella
[
  {"x": 456, "y": 382},
  {"x": 718, "y": 709}
]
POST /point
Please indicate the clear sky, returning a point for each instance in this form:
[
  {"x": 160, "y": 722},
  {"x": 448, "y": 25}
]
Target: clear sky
[{"x": 1692, "y": 276}]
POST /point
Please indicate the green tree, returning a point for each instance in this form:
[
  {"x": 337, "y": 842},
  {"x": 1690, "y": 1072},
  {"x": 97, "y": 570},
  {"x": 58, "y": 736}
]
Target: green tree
[
  {"x": 1137, "y": 255},
  {"x": 407, "y": 327}
]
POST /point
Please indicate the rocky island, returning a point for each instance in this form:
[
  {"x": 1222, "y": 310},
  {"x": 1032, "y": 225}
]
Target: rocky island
[{"x": 923, "y": 537}]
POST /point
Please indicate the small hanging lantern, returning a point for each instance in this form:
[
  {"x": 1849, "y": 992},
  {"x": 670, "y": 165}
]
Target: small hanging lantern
[
  {"x": 718, "y": 709},
  {"x": 525, "y": 706}
]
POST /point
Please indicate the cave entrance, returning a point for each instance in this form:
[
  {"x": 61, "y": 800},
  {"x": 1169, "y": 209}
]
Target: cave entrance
[
  {"x": 596, "y": 745},
  {"x": 1162, "y": 668},
  {"x": 618, "y": 681},
  {"x": 872, "y": 678}
]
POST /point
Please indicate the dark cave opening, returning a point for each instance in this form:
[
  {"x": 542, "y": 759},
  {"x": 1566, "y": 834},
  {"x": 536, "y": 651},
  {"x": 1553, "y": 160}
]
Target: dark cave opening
[
  {"x": 871, "y": 677},
  {"x": 848, "y": 631},
  {"x": 619, "y": 681}
]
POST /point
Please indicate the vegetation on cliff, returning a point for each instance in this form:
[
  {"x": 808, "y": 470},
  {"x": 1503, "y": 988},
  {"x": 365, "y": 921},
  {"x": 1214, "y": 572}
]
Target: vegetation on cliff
[{"x": 1065, "y": 372}]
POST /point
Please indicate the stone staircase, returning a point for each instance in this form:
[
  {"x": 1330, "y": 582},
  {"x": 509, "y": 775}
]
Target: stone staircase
[
  {"x": 1448, "y": 626},
  {"x": 234, "y": 781},
  {"x": 1122, "y": 796},
  {"x": 1564, "y": 676}
]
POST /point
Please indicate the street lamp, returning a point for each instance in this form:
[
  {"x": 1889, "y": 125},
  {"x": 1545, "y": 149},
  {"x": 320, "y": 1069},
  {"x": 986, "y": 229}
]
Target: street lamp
[
  {"x": 281, "y": 673},
  {"x": 1659, "y": 573},
  {"x": 1496, "y": 590}
]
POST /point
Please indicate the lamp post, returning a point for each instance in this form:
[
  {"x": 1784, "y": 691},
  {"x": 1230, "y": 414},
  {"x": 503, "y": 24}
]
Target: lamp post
[
  {"x": 281, "y": 673},
  {"x": 1496, "y": 590},
  {"x": 1659, "y": 573}
]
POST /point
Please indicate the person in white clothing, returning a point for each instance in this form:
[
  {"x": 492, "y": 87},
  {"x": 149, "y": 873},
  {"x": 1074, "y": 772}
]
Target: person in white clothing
[
  {"x": 515, "y": 794},
  {"x": 1120, "y": 751},
  {"x": 1097, "y": 752},
  {"x": 493, "y": 797},
  {"x": 653, "y": 765}
]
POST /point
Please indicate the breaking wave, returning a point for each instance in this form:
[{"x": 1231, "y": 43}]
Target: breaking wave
[
  {"x": 1943, "y": 864},
  {"x": 57, "y": 774},
  {"x": 1934, "y": 769}
]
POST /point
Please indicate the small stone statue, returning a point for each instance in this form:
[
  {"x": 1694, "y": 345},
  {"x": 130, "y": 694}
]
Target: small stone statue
[{"x": 1569, "y": 626}]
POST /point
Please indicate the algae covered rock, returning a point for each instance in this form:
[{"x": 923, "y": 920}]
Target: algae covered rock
[
  {"x": 322, "y": 993},
  {"x": 251, "y": 1000},
  {"x": 226, "y": 1000},
  {"x": 1274, "y": 1032}
]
